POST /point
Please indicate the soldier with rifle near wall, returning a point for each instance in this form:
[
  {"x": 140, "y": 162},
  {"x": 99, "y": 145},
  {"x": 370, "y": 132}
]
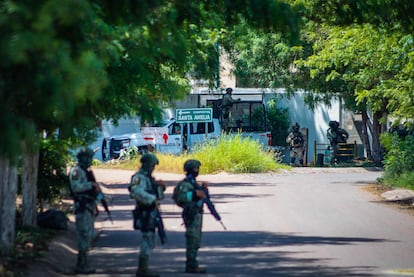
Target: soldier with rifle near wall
[
  {"x": 147, "y": 193},
  {"x": 336, "y": 135},
  {"x": 191, "y": 196}
]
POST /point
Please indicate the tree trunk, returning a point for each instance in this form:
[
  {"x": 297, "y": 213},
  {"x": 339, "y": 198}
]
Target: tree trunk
[
  {"x": 30, "y": 167},
  {"x": 375, "y": 128},
  {"x": 8, "y": 190},
  {"x": 365, "y": 137}
]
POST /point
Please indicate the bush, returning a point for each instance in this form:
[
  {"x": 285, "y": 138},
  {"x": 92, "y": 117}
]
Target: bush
[
  {"x": 52, "y": 179},
  {"x": 230, "y": 153},
  {"x": 278, "y": 119},
  {"x": 398, "y": 160}
]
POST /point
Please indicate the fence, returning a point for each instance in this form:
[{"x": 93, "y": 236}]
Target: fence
[{"x": 322, "y": 152}]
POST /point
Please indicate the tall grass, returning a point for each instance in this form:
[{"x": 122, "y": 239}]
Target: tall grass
[
  {"x": 230, "y": 153},
  {"x": 234, "y": 154}
]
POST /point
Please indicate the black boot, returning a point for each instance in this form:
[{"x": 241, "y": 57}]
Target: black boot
[
  {"x": 192, "y": 267},
  {"x": 143, "y": 270},
  {"x": 195, "y": 269},
  {"x": 82, "y": 265}
]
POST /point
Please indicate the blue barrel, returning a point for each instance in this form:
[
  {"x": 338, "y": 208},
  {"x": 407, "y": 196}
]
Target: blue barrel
[{"x": 319, "y": 160}]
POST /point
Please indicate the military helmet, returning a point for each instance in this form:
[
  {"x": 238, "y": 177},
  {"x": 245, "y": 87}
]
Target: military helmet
[
  {"x": 149, "y": 159},
  {"x": 84, "y": 157},
  {"x": 85, "y": 152},
  {"x": 295, "y": 128},
  {"x": 333, "y": 124},
  {"x": 190, "y": 164}
]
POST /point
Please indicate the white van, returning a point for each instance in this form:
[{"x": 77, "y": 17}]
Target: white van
[
  {"x": 166, "y": 137},
  {"x": 174, "y": 138}
]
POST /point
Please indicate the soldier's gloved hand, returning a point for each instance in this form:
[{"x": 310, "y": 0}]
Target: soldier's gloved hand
[
  {"x": 204, "y": 185},
  {"x": 200, "y": 194},
  {"x": 96, "y": 187},
  {"x": 162, "y": 185}
]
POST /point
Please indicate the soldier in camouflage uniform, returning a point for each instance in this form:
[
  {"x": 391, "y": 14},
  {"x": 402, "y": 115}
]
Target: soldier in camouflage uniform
[
  {"x": 84, "y": 193},
  {"x": 336, "y": 135},
  {"x": 226, "y": 106},
  {"x": 190, "y": 199},
  {"x": 297, "y": 145},
  {"x": 147, "y": 192}
]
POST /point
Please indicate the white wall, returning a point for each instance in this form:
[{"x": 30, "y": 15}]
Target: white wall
[{"x": 315, "y": 120}]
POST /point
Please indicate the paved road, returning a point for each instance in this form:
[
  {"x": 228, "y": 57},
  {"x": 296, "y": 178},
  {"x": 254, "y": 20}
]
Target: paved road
[{"x": 308, "y": 222}]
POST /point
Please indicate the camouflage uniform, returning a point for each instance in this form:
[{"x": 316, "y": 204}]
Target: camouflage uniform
[
  {"x": 186, "y": 197},
  {"x": 83, "y": 191},
  {"x": 297, "y": 147},
  {"x": 226, "y": 106},
  {"x": 336, "y": 135},
  {"x": 146, "y": 191}
]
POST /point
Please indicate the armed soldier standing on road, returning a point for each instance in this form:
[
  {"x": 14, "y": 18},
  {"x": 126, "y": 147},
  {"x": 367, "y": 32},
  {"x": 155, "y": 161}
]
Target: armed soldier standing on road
[
  {"x": 336, "y": 135},
  {"x": 297, "y": 144},
  {"x": 226, "y": 105},
  {"x": 84, "y": 192},
  {"x": 187, "y": 196},
  {"x": 147, "y": 192}
]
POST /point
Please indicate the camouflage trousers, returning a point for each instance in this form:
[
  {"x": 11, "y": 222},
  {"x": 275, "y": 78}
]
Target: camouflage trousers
[
  {"x": 84, "y": 230},
  {"x": 296, "y": 153},
  {"x": 193, "y": 240},
  {"x": 147, "y": 244},
  {"x": 334, "y": 153}
]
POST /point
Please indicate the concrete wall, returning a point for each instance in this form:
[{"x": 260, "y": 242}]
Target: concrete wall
[{"x": 316, "y": 121}]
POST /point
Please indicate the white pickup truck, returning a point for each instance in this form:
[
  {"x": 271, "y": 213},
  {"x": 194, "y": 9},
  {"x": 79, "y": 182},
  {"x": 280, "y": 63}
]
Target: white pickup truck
[{"x": 167, "y": 137}]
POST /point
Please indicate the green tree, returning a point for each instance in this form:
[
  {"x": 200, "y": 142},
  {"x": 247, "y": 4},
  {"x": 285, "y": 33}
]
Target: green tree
[
  {"x": 69, "y": 70},
  {"x": 361, "y": 64},
  {"x": 47, "y": 66},
  {"x": 382, "y": 13}
]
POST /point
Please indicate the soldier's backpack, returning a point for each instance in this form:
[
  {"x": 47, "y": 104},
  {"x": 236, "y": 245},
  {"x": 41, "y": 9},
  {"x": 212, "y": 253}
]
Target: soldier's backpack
[{"x": 175, "y": 194}]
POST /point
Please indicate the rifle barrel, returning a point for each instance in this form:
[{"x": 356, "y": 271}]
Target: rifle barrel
[{"x": 211, "y": 206}]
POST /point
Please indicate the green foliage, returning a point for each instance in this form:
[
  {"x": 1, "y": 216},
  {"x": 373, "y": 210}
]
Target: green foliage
[
  {"x": 48, "y": 67},
  {"x": 278, "y": 120},
  {"x": 382, "y": 13},
  {"x": 399, "y": 160},
  {"x": 52, "y": 177},
  {"x": 262, "y": 59},
  {"x": 364, "y": 65},
  {"x": 369, "y": 66}
]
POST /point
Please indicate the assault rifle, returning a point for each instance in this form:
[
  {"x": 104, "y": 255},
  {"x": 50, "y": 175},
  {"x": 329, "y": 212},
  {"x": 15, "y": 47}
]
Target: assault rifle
[
  {"x": 209, "y": 204},
  {"x": 160, "y": 227},
  {"x": 99, "y": 195},
  {"x": 158, "y": 219}
]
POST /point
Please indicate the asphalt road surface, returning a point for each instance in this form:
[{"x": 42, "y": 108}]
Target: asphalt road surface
[{"x": 308, "y": 222}]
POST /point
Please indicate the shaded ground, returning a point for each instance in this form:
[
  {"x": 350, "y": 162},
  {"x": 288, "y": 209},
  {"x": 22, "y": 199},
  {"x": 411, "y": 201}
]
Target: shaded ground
[{"x": 62, "y": 250}]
